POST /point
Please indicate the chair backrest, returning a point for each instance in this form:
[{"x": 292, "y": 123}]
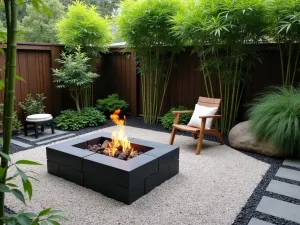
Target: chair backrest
[{"x": 210, "y": 102}]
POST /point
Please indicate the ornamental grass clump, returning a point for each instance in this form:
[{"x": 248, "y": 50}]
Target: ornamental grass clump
[{"x": 275, "y": 117}]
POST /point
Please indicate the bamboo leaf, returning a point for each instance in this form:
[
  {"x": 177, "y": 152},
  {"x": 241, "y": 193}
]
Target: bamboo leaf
[
  {"x": 27, "y": 162},
  {"x": 18, "y": 77},
  {"x": 5, "y": 156},
  {"x": 4, "y": 188},
  {"x": 23, "y": 220},
  {"x": 53, "y": 222},
  {"x": 2, "y": 171},
  {"x": 19, "y": 195},
  {"x": 44, "y": 212},
  {"x": 56, "y": 217},
  {"x": 22, "y": 174},
  {"x": 36, "y": 221},
  {"x": 11, "y": 185}
]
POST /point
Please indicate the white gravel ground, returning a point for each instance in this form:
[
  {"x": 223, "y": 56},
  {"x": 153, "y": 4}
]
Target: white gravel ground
[{"x": 210, "y": 189}]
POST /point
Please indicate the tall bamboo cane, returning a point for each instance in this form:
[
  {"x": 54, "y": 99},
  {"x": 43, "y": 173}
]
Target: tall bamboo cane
[{"x": 9, "y": 90}]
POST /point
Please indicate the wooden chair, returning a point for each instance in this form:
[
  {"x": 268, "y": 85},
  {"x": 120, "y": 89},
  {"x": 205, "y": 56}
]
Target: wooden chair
[{"x": 201, "y": 131}]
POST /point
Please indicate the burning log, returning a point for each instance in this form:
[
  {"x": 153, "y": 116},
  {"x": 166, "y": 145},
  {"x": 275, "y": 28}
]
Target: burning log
[{"x": 106, "y": 149}]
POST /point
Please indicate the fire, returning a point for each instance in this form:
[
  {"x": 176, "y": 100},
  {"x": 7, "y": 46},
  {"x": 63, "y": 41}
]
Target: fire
[{"x": 119, "y": 137}]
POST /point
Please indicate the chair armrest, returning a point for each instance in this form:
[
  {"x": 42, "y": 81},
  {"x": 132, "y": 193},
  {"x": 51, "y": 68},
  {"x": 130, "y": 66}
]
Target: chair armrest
[
  {"x": 213, "y": 116},
  {"x": 181, "y": 112}
]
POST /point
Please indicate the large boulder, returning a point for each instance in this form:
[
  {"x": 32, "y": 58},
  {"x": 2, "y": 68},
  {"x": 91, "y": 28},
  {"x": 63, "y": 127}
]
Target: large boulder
[{"x": 240, "y": 137}]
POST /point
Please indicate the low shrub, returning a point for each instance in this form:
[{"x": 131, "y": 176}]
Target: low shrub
[
  {"x": 111, "y": 103},
  {"x": 275, "y": 117},
  {"x": 16, "y": 124},
  {"x": 73, "y": 120},
  {"x": 33, "y": 105},
  {"x": 168, "y": 119}
]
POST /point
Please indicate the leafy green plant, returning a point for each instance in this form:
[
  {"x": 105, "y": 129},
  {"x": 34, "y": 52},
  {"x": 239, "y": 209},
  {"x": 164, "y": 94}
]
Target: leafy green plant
[
  {"x": 83, "y": 26},
  {"x": 285, "y": 30},
  {"x": 168, "y": 119},
  {"x": 33, "y": 105},
  {"x": 221, "y": 33},
  {"x": 275, "y": 117},
  {"x": 72, "y": 120},
  {"x": 147, "y": 29},
  {"x": 75, "y": 74},
  {"x": 37, "y": 27},
  {"x": 46, "y": 216},
  {"x": 16, "y": 123},
  {"x": 111, "y": 103}
]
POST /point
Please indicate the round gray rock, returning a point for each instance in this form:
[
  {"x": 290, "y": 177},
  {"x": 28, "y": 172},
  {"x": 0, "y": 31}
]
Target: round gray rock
[{"x": 240, "y": 137}]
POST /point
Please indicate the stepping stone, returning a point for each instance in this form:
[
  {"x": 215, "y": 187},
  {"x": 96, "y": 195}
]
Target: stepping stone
[
  {"x": 288, "y": 174},
  {"x": 19, "y": 143},
  {"x": 292, "y": 163},
  {"x": 47, "y": 134},
  {"x": 55, "y": 139},
  {"x": 283, "y": 188},
  {"x": 279, "y": 209},
  {"x": 255, "y": 221}
]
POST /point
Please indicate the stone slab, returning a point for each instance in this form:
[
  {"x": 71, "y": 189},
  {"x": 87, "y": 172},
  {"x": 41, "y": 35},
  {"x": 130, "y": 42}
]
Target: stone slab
[
  {"x": 255, "y": 221},
  {"x": 42, "y": 135},
  {"x": 292, "y": 163},
  {"x": 279, "y": 209},
  {"x": 20, "y": 143},
  {"x": 283, "y": 188},
  {"x": 288, "y": 174},
  {"x": 55, "y": 139}
]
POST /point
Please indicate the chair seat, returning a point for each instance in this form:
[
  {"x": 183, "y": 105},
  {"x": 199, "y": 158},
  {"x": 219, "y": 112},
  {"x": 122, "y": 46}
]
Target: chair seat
[
  {"x": 39, "y": 117},
  {"x": 187, "y": 128}
]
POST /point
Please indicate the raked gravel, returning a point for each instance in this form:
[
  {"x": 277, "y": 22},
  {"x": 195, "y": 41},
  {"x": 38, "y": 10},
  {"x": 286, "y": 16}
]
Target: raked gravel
[{"x": 210, "y": 189}]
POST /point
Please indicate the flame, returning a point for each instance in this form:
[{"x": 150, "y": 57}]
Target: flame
[{"x": 119, "y": 137}]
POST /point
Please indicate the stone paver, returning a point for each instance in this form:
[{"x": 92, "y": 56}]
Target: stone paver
[
  {"x": 42, "y": 136},
  {"x": 292, "y": 162},
  {"x": 283, "y": 188},
  {"x": 19, "y": 143},
  {"x": 288, "y": 174},
  {"x": 255, "y": 221},
  {"x": 279, "y": 209},
  {"x": 55, "y": 139}
]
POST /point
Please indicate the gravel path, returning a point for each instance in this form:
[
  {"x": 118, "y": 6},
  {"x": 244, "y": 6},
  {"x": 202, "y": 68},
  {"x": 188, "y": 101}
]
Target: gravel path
[{"x": 210, "y": 189}]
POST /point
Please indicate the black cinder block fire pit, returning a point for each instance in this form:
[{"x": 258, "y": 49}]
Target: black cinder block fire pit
[{"x": 122, "y": 180}]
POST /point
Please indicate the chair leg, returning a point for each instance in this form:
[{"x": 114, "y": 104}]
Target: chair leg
[
  {"x": 25, "y": 128},
  {"x": 218, "y": 134},
  {"x": 52, "y": 127},
  {"x": 172, "y": 136},
  {"x": 36, "y": 130},
  {"x": 199, "y": 145}
]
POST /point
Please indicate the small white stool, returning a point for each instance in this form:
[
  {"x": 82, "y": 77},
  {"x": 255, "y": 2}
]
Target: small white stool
[{"x": 39, "y": 120}]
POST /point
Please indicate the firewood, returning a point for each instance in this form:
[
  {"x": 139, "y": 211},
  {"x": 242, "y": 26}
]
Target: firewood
[
  {"x": 124, "y": 155},
  {"x": 105, "y": 144},
  {"x": 117, "y": 153}
]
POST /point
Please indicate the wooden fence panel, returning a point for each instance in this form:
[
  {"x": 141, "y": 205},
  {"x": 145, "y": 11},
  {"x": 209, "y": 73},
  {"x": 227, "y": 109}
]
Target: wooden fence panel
[{"x": 34, "y": 63}]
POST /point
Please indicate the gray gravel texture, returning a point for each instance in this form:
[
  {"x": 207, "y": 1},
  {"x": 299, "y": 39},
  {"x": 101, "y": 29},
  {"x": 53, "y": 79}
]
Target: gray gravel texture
[{"x": 210, "y": 189}]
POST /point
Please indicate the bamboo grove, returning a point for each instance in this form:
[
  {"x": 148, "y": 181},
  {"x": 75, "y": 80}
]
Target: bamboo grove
[{"x": 226, "y": 35}]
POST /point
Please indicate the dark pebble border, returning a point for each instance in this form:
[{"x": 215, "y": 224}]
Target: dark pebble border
[{"x": 248, "y": 211}]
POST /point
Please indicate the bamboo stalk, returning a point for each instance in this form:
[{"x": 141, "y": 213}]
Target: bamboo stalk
[
  {"x": 295, "y": 67},
  {"x": 10, "y": 90},
  {"x": 282, "y": 64},
  {"x": 287, "y": 75}
]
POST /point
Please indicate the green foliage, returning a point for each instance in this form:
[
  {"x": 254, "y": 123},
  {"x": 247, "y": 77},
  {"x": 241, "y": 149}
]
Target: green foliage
[
  {"x": 168, "y": 119},
  {"x": 38, "y": 27},
  {"x": 221, "y": 33},
  {"x": 16, "y": 124},
  {"x": 83, "y": 26},
  {"x": 111, "y": 103},
  {"x": 72, "y": 120},
  {"x": 146, "y": 27},
  {"x": 33, "y": 105},
  {"x": 74, "y": 74},
  {"x": 275, "y": 117},
  {"x": 284, "y": 16},
  {"x": 8, "y": 185}
]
